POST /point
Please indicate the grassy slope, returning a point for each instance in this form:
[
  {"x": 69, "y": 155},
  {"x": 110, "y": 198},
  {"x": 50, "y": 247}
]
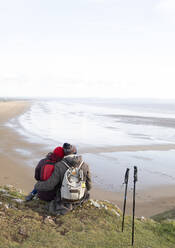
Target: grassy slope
[
  {"x": 27, "y": 225},
  {"x": 168, "y": 215}
]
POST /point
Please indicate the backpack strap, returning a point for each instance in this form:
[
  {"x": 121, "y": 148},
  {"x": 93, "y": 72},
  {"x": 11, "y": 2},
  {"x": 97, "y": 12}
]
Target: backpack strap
[
  {"x": 74, "y": 167},
  {"x": 66, "y": 164},
  {"x": 80, "y": 164}
]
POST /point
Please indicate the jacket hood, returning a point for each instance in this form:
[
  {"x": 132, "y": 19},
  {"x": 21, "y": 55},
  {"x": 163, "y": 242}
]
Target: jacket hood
[
  {"x": 73, "y": 160},
  {"x": 52, "y": 157}
]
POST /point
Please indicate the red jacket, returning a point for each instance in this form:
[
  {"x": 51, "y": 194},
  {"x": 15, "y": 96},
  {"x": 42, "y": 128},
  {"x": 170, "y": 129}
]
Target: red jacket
[{"x": 42, "y": 173}]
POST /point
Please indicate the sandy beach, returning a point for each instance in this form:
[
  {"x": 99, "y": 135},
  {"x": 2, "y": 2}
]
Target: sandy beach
[{"x": 14, "y": 169}]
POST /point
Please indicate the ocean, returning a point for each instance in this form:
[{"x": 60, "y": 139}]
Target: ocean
[{"x": 105, "y": 123}]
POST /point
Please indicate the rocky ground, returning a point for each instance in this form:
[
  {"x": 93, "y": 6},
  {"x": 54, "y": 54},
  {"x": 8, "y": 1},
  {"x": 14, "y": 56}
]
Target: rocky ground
[{"x": 95, "y": 224}]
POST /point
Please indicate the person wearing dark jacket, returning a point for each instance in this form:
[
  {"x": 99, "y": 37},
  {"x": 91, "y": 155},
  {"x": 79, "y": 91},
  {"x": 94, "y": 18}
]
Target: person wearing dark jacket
[
  {"x": 51, "y": 158},
  {"x": 55, "y": 181}
]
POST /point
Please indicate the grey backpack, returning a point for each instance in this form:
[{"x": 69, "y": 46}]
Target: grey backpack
[{"x": 73, "y": 185}]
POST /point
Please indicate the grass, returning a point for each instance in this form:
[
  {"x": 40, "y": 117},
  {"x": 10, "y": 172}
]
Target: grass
[
  {"x": 165, "y": 215},
  {"x": 27, "y": 225}
]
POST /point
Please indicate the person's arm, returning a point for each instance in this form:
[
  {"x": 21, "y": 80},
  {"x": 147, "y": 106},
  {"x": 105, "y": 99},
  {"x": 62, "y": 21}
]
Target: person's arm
[
  {"x": 51, "y": 182},
  {"x": 38, "y": 169}
]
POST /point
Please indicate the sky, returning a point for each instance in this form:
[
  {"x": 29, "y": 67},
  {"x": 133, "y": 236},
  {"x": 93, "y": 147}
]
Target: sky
[{"x": 87, "y": 48}]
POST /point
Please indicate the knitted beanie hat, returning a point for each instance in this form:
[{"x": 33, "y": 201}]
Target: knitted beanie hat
[
  {"x": 59, "y": 152},
  {"x": 69, "y": 149}
]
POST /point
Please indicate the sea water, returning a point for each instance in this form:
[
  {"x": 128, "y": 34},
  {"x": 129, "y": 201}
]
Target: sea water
[
  {"x": 106, "y": 123},
  {"x": 154, "y": 168}
]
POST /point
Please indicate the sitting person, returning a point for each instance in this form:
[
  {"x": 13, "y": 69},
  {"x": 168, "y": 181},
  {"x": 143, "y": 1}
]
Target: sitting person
[
  {"x": 70, "y": 163},
  {"x": 44, "y": 170}
]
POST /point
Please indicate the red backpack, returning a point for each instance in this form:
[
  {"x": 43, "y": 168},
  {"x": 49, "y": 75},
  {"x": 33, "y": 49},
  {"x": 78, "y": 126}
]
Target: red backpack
[{"x": 47, "y": 170}]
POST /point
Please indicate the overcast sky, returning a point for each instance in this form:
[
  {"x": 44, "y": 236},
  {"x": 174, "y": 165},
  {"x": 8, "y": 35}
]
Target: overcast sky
[{"x": 70, "y": 48}]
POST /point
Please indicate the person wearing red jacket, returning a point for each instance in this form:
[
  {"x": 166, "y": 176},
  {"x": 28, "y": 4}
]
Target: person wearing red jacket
[{"x": 43, "y": 171}]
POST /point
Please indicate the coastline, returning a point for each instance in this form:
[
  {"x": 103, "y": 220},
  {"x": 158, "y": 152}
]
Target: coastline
[
  {"x": 14, "y": 169},
  {"x": 128, "y": 148}
]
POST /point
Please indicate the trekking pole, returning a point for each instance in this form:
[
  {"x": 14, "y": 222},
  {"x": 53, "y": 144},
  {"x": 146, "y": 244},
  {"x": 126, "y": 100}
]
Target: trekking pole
[
  {"x": 135, "y": 180},
  {"x": 124, "y": 204}
]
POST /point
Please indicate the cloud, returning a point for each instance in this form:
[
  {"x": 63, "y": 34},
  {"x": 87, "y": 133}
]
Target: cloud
[
  {"x": 96, "y": 1},
  {"x": 166, "y": 6}
]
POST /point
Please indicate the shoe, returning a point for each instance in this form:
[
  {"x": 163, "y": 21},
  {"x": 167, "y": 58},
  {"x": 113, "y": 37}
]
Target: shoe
[{"x": 29, "y": 197}]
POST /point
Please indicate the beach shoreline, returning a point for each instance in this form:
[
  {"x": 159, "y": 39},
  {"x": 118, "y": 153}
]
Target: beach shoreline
[
  {"x": 128, "y": 148},
  {"x": 14, "y": 169}
]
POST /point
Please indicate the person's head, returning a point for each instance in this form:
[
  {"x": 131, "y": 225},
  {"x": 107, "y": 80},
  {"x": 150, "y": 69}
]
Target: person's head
[
  {"x": 58, "y": 152},
  {"x": 69, "y": 149}
]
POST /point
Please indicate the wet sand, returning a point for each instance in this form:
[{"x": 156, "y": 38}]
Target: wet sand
[
  {"x": 149, "y": 202},
  {"x": 128, "y": 148},
  {"x": 14, "y": 169}
]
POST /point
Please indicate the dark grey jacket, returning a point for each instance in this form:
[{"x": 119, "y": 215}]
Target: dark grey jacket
[{"x": 57, "y": 177}]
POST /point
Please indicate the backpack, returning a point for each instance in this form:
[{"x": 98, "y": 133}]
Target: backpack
[
  {"x": 73, "y": 186},
  {"x": 47, "y": 170}
]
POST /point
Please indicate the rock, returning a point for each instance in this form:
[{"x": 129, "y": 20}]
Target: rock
[
  {"x": 3, "y": 191},
  {"x": 116, "y": 206},
  {"x": 6, "y": 206},
  {"x": 95, "y": 204},
  {"x": 104, "y": 206},
  {"x": 9, "y": 186},
  {"x": 48, "y": 220},
  {"x": 113, "y": 210},
  {"x": 8, "y": 195},
  {"x": 112, "y": 204},
  {"x": 18, "y": 200},
  {"x": 142, "y": 218}
]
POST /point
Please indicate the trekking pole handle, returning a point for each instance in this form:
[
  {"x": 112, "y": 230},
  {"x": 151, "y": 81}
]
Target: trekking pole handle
[
  {"x": 126, "y": 176},
  {"x": 135, "y": 174}
]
